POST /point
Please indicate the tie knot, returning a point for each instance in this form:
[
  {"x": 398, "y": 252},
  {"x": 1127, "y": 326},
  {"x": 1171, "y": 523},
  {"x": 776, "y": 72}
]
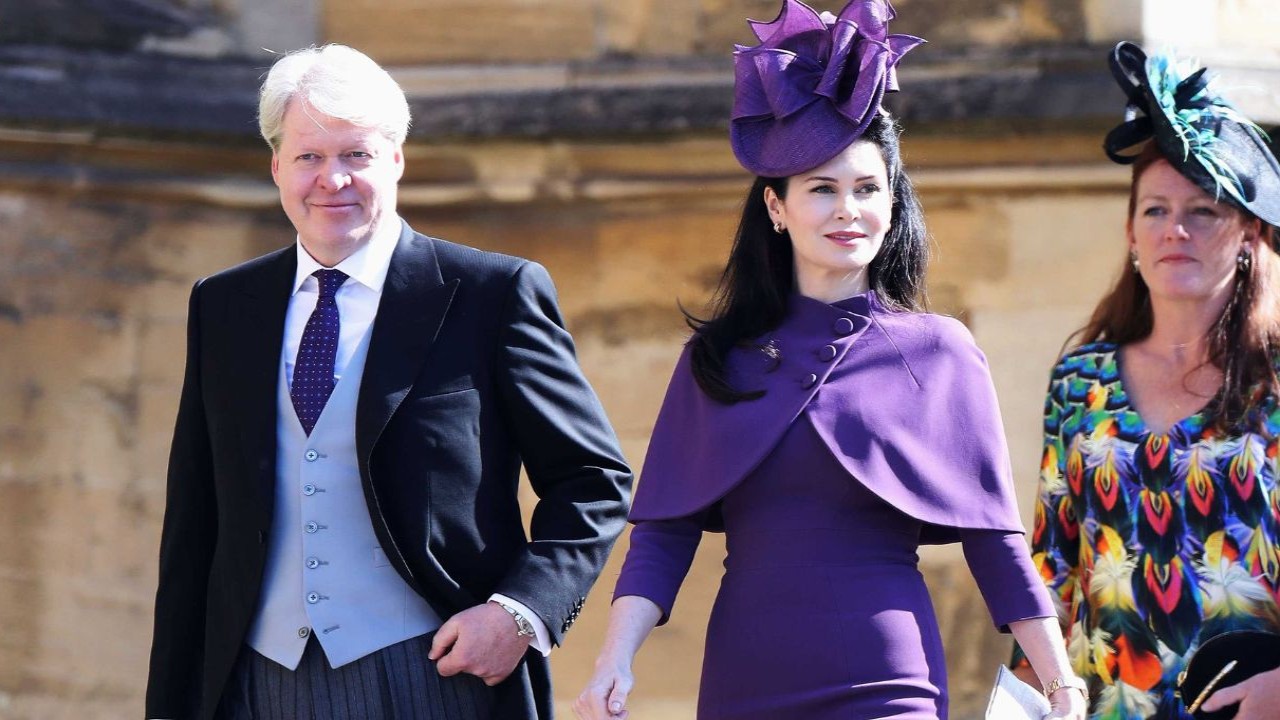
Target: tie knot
[{"x": 330, "y": 281}]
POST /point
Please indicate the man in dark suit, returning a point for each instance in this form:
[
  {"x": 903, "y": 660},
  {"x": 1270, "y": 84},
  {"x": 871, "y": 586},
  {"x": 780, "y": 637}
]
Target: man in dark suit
[{"x": 342, "y": 536}]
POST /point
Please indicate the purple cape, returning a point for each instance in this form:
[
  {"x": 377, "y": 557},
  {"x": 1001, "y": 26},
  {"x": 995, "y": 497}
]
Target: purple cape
[{"x": 903, "y": 400}]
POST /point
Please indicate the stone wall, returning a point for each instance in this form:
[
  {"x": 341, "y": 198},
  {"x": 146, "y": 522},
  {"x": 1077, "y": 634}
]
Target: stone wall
[
  {"x": 414, "y": 31},
  {"x": 93, "y": 303}
]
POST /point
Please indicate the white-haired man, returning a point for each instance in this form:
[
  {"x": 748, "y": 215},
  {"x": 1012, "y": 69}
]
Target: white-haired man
[{"x": 342, "y": 537}]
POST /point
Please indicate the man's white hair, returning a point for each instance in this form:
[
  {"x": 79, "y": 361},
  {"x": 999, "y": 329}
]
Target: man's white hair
[{"x": 336, "y": 81}]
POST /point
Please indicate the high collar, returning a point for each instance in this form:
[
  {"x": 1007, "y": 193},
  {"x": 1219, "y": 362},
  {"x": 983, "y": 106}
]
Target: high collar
[{"x": 862, "y": 304}]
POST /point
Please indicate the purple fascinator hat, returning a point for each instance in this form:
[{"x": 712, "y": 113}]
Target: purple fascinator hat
[{"x": 812, "y": 85}]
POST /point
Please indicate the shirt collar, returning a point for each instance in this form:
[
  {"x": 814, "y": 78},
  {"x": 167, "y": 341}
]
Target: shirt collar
[{"x": 368, "y": 265}]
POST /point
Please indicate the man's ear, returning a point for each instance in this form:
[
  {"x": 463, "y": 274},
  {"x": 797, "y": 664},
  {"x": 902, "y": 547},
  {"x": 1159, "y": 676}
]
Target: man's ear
[
  {"x": 398, "y": 159},
  {"x": 275, "y": 167}
]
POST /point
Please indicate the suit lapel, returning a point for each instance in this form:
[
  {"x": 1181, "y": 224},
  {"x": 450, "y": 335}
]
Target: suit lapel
[
  {"x": 414, "y": 302},
  {"x": 258, "y": 312}
]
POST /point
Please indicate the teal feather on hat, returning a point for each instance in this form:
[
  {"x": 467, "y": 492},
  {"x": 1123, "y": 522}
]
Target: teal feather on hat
[
  {"x": 1206, "y": 139},
  {"x": 1185, "y": 96}
]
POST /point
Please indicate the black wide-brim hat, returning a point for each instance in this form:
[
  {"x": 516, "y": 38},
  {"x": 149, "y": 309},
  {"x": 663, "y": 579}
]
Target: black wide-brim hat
[{"x": 1196, "y": 130}]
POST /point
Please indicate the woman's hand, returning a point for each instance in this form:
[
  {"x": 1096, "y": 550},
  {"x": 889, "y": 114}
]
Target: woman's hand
[
  {"x": 1042, "y": 642},
  {"x": 1067, "y": 704},
  {"x": 1259, "y": 696},
  {"x": 605, "y": 697}
]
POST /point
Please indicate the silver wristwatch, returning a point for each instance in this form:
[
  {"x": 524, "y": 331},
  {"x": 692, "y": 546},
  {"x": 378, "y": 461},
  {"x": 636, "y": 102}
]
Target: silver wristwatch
[{"x": 523, "y": 627}]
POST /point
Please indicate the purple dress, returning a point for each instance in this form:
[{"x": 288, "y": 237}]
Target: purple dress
[{"x": 822, "y": 612}]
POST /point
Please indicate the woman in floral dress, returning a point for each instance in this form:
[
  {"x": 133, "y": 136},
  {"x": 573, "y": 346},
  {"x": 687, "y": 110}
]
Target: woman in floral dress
[{"x": 1158, "y": 520}]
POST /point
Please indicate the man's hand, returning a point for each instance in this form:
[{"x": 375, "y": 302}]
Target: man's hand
[
  {"x": 479, "y": 641},
  {"x": 1259, "y": 696}
]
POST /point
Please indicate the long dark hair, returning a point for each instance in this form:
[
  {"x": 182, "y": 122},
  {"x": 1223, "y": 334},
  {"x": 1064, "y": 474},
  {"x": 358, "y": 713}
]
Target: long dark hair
[
  {"x": 1242, "y": 342},
  {"x": 751, "y": 298}
]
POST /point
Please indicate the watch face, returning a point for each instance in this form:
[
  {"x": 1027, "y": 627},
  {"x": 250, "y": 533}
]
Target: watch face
[{"x": 523, "y": 626}]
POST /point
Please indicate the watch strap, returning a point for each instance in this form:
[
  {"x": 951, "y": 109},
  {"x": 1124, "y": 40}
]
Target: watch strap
[
  {"x": 1067, "y": 681},
  {"x": 523, "y": 627}
]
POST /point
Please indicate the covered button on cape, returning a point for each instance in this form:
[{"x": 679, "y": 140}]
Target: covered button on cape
[{"x": 903, "y": 400}]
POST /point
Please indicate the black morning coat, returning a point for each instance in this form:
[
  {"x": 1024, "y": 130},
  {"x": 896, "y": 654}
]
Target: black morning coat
[{"x": 470, "y": 372}]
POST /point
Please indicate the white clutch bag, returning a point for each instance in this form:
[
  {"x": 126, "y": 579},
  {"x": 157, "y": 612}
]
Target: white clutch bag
[{"x": 1012, "y": 699}]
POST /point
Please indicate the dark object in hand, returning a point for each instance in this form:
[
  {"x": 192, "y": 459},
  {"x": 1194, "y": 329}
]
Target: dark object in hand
[{"x": 1224, "y": 660}]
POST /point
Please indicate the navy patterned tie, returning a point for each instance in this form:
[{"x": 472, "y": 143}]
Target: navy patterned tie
[{"x": 313, "y": 368}]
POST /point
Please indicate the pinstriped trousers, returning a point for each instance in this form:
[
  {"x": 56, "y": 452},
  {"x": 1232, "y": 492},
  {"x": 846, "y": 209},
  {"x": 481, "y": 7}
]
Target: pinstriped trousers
[{"x": 395, "y": 683}]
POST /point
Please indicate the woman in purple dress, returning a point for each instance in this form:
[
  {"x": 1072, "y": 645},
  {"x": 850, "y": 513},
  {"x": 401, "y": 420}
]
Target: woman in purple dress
[{"x": 824, "y": 423}]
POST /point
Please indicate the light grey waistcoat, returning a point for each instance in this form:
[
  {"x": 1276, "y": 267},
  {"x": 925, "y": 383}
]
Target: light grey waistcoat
[{"x": 325, "y": 571}]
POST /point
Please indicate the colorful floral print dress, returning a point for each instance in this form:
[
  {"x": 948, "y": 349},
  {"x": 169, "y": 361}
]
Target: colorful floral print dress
[{"x": 1150, "y": 542}]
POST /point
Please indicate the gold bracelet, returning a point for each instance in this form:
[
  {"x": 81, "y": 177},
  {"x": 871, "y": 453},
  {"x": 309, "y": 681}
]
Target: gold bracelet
[{"x": 1064, "y": 681}]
